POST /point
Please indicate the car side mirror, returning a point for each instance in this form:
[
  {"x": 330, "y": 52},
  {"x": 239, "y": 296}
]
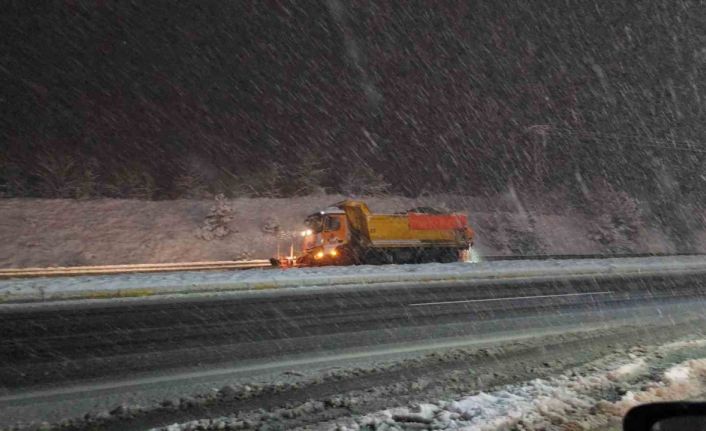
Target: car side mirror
[{"x": 672, "y": 416}]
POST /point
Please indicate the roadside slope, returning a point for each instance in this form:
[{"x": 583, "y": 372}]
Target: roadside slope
[{"x": 45, "y": 232}]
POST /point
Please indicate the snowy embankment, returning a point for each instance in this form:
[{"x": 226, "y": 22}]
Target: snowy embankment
[
  {"x": 142, "y": 285},
  {"x": 65, "y": 232},
  {"x": 582, "y": 400}
]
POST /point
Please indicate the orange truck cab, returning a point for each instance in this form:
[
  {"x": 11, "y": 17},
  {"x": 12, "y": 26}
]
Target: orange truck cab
[{"x": 324, "y": 239}]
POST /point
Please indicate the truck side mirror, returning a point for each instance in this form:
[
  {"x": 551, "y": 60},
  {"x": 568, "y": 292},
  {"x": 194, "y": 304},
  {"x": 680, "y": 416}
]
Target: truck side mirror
[{"x": 669, "y": 416}]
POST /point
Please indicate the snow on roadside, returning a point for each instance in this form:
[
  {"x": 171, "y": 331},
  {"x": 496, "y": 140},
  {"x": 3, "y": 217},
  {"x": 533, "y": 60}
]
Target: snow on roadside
[
  {"x": 686, "y": 380},
  {"x": 46, "y": 289},
  {"x": 574, "y": 401},
  {"x": 628, "y": 370},
  {"x": 592, "y": 396}
]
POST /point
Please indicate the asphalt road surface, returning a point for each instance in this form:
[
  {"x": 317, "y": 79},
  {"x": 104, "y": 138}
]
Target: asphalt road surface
[
  {"x": 59, "y": 343},
  {"x": 90, "y": 345}
]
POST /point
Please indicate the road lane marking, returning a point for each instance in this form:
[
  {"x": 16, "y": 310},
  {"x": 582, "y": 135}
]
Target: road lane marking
[
  {"x": 605, "y": 292},
  {"x": 132, "y": 385},
  {"x": 223, "y": 373}
]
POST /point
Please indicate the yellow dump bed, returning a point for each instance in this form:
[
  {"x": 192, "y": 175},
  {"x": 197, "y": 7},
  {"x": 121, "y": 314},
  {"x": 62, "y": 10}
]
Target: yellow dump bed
[{"x": 407, "y": 230}]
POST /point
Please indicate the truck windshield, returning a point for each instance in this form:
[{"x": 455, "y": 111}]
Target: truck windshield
[
  {"x": 331, "y": 224},
  {"x": 315, "y": 223}
]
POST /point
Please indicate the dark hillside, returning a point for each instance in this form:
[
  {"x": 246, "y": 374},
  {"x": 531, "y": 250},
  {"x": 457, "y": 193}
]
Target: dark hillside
[{"x": 161, "y": 99}]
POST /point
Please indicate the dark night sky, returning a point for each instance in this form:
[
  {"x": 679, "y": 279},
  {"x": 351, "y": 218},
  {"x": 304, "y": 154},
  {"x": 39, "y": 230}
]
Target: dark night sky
[{"x": 454, "y": 96}]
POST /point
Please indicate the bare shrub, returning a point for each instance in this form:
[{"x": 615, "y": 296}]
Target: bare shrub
[
  {"x": 60, "y": 176},
  {"x": 191, "y": 186},
  {"x": 524, "y": 243},
  {"x": 306, "y": 178},
  {"x": 55, "y": 175},
  {"x": 271, "y": 226},
  {"x": 217, "y": 222},
  {"x": 131, "y": 182},
  {"x": 12, "y": 180},
  {"x": 275, "y": 180},
  {"x": 522, "y": 237},
  {"x": 264, "y": 182},
  {"x": 364, "y": 182},
  {"x": 616, "y": 216},
  {"x": 194, "y": 180}
]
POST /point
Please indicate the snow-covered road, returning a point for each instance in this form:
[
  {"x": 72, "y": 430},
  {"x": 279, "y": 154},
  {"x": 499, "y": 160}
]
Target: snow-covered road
[{"x": 408, "y": 330}]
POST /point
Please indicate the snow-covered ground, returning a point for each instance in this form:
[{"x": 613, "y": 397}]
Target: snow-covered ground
[
  {"x": 594, "y": 396},
  {"x": 577, "y": 401},
  {"x": 140, "y": 285}
]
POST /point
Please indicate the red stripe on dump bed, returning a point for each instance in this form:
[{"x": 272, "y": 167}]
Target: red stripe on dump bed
[{"x": 437, "y": 222}]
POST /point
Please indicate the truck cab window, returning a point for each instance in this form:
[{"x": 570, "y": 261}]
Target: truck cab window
[
  {"x": 315, "y": 223},
  {"x": 332, "y": 224}
]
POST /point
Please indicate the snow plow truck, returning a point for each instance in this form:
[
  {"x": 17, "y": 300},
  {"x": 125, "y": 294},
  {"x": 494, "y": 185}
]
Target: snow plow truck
[{"x": 348, "y": 233}]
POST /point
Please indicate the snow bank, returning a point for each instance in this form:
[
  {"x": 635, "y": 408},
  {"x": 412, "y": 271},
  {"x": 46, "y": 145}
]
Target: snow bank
[
  {"x": 537, "y": 403},
  {"x": 568, "y": 402},
  {"x": 132, "y": 285},
  {"x": 683, "y": 381},
  {"x": 627, "y": 370}
]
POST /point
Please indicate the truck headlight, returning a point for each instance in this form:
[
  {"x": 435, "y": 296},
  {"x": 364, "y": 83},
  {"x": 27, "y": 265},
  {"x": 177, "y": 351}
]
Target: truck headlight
[
  {"x": 320, "y": 255},
  {"x": 334, "y": 252}
]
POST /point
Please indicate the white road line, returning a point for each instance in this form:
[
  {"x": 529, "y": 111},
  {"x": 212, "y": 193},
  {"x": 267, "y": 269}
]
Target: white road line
[{"x": 421, "y": 304}]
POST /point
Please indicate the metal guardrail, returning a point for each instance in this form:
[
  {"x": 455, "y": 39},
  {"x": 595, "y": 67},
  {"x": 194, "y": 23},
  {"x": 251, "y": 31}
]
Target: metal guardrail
[
  {"x": 132, "y": 268},
  {"x": 491, "y": 258},
  {"x": 258, "y": 263}
]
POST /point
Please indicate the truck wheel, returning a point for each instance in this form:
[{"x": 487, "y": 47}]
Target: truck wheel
[
  {"x": 447, "y": 255},
  {"x": 405, "y": 255},
  {"x": 368, "y": 257}
]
